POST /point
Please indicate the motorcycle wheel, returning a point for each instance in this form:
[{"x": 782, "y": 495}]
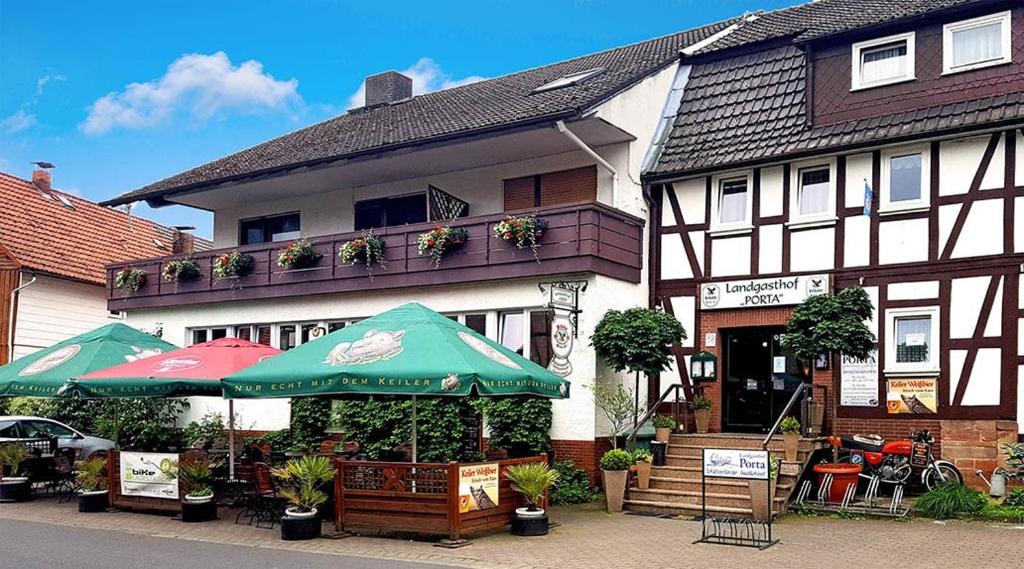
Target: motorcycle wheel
[{"x": 949, "y": 474}]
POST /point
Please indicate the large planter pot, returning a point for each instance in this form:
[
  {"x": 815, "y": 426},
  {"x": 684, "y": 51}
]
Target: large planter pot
[
  {"x": 92, "y": 502},
  {"x": 15, "y": 489},
  {"x": 296, "y": 526},
  {"x": 792, "y": 443},
  {"x": 843, "y": 476},
  {"x": 762, "y": 493},
  {"x": 643, "y": 475},
  {"x": 197, "y": 510},
  {"x": 703, "y": 419},
  {"x": 528, "y": 523},
  {"x": 614, "y": 488},
  {"x": 816, "y": 418},
  {"x": 661, "y": 435}
]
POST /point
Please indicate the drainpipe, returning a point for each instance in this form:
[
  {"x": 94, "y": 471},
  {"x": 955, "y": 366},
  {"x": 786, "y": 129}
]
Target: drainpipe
[
  {"x": 10, "y": 318},
  {"x": 560, "y": 125}
]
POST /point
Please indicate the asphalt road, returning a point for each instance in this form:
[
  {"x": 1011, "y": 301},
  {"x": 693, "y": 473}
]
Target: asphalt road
[{"x": 28, "y": 545}]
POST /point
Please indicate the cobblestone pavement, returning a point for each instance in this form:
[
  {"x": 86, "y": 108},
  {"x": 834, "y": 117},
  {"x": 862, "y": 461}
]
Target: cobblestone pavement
[{"x": 589, "y": 537}]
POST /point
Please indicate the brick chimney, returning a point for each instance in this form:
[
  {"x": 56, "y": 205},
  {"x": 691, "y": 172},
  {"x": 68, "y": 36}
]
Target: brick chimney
[
  {"x": 387, "y": 87},
  {"x": 43, "y": 181},
  {"x": 184, "y": 243}
]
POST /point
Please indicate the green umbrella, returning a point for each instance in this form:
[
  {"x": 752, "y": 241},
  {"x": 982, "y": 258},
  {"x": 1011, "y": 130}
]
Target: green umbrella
[
  {"x": 410, "y": 351},
  {"x": 44, "y": 373}
]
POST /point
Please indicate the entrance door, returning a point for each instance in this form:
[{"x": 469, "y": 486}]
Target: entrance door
[{"x": 759, "y": 378}]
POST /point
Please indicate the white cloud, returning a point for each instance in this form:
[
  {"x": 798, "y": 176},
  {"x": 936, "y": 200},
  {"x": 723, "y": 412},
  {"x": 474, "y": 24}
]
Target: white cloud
[
  {"x": 42, "y": 81},
  {"x": 427, "y": 76},
  {"x": 17, "y": 122},
  {"x": 197, "y": 85}
]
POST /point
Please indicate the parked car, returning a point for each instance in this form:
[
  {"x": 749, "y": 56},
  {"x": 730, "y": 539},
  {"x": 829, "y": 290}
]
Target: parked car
[{"x": 18, "y": 428}]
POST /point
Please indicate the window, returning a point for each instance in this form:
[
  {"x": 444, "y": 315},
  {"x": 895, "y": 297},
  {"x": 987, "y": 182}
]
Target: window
[
  {"x": 199, "y": 336},
  {"x": 976, "y": 43},
  {"x": 269, "y": 229},
  {"x": 903, "y": 180},
  {"x": 286, "y": 337},
  {"x": 218, "y": 333},
  {"x": 476, "y": 323},
  {"x": 47, "y": 429},
  {"x": 511, "y": 333},
  {"x": 334, "y": 326},
  {"x": 540, "y": 338},
  {"x": 552, "y": 188},
  {"x": 243, "y": 332},
  {"x": 568, "y": 80},
  {"x": 912, "y": 338},
  {"x": 813, "y": 196},
  {"x": 883, "y": 61},
  {"x": 389, "y": 212},
  {"x": 733, "y": 203},
  {"x": 9, "y": 429}
]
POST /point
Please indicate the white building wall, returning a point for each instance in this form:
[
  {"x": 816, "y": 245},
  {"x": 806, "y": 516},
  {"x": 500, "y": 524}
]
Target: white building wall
[{"x": 53, "y": 309}]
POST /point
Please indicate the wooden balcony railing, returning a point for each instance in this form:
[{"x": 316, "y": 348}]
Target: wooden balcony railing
[{"x": 583, "y": 238}]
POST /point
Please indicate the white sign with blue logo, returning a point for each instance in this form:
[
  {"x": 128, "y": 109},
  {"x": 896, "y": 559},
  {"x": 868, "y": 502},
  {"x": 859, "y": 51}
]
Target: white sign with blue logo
[{"x": 730, "y": 463}]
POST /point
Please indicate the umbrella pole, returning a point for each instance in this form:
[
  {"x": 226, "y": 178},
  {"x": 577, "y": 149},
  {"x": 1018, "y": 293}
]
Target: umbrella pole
[
  {"x": 414, "y": 457},
  {"x": 231, "y": 439}
]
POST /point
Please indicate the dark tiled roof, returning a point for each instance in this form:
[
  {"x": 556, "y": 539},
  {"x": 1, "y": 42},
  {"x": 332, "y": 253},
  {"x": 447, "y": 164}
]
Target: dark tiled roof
[
  {"x": 493, "y": 104},
  {"x": 827, "y": 17}
]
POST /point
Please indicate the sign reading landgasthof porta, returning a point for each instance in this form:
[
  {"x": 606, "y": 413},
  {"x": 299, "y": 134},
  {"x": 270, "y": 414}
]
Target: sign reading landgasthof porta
[
  {"x": 748, "y": 293},
  {"x": 729, "y": 463},
  {"x": 149, "y": 474}
]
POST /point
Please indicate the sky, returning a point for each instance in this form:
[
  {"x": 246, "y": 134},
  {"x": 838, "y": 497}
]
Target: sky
[{"x": 122, "y": 94}]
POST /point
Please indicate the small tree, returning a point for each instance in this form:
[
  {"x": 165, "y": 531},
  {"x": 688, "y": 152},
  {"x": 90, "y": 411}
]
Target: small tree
[
  {"x": 831, "y": 324},
  {"x": 616, "y": 403},
  {"x": 639, "y": 340}
]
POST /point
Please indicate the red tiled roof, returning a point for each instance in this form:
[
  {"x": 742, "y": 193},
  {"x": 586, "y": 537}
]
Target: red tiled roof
[{"x": 75, "y": 242}]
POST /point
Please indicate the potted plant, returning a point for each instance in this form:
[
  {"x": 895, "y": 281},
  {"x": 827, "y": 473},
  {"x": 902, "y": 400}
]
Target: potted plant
[
  {"x": 196, "y": 474},
  {"x": 14, "y": 488},
  {"x": 843, "y": 476},
  {"x": 298, "y": 255},
  {"x": 663, "y": 427},
  {"x": 762, "y": 492},
  {"x": 368, "y": 249},
  {"x": 180, "y": 271},
  {"x": 614, "y": 468},
  {"x": 790, "y": 428},
  {"x": 643, "y": 459},
  {"x": 130, "y": 279},
  {"x": 439, "y": 241},
  {"x": 302, "y": 479},
  {"x": 532, "y": 480},
  {"x": 522, "y": 231},
  {"x": 92, "y": 484},
  {"x": 233, "y": 264},
  {"x": 701, "y": 406}
]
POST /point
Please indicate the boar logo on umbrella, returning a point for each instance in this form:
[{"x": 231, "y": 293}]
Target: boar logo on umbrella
[{"x": 374, "y": 346}]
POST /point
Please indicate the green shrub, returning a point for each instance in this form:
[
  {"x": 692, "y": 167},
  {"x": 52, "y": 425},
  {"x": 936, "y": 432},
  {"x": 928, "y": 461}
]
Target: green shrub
[
  {"x": 573, "y": 485},
  {"x": 206, "y": 430},
  {"x": 950, "y": 500},
  {"x": 700, "y": 402},
  {"x": 310, "y": 417},
  {"x": 617, "y": 459},
  {"x": 1015, "y": 498},
  {"x": 642, "y": 455},
  {"x": 790, "y": 425},
  {"x": 380, "y": 425},
  {"x": 520, "y": 425},
  {"x": 663, "y": 422},
  {"x": 5, "y": 405}
]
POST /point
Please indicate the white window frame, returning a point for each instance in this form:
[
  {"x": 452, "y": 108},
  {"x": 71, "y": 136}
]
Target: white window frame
[
  {"x": 745, "y": 225},
  {"x": 796, "y": 187},
  {"x": 855, "y": 66},
  {"x": 929, "y": 368},
  {"x": 885, "y": 203},
  {"x": 948, "y": 30}
]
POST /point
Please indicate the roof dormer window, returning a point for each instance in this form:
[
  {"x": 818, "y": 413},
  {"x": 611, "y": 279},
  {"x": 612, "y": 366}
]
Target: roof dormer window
[
  {"x": 883, "y": 61},
  {"x": 976, "y": 43},
  {"x": 569, "y": 80}
]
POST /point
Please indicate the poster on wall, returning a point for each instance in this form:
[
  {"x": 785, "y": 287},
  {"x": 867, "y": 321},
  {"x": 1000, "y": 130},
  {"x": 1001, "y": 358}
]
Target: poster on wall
[
  {"x": 478, "y": 487},
  {"x": 917, "y": 396},
  {"x": 149, "y": 475},
  {"x": 858, "y": 381}
]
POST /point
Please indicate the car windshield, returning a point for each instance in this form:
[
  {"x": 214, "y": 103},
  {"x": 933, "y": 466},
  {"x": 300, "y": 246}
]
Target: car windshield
[{"x": 7, "y": 429}]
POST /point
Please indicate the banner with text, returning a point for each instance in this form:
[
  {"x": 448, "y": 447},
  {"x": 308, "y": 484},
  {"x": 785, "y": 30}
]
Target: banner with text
[
  {"x": 149, "y": 475},
  {"x": 917, "y": 396},
  {"x": 858, "y": 381},
  {"x": 478, "y": 487},
  {"x": 749, "y": 293}
]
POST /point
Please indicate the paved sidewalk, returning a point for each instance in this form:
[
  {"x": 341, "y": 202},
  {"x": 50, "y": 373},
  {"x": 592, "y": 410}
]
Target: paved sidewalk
[{"x": 591, "y": 538}]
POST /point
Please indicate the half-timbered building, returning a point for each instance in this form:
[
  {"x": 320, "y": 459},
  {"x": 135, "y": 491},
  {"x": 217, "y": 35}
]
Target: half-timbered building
[{"x": 844, "y": 143}]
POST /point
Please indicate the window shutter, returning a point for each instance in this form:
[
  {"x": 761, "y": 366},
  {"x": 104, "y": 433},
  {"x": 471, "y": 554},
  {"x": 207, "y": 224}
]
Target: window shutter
[
  {"x": 569, "y": 186},
  {"x": 519, "y": 193}
]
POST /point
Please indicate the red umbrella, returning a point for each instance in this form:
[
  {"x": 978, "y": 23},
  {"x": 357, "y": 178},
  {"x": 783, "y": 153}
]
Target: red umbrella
[{"x": 191, "y": 371}]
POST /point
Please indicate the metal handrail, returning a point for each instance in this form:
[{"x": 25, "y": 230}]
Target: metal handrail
[
  {"x": 653, "y": 410},
  {"x": 785, "y": 412}
]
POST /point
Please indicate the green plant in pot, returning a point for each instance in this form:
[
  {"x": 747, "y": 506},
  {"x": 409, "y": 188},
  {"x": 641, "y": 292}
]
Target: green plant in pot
[
  {"x": 532, "y": 480},
  {"x": 790, "y": 428},
  {"x": 643, "y": 459},
  {"x": 614, "y": 470},
  {"x": 302, "y": 481},
  {"x": 92, "y": 484},
  {"x": 701, "y": 407},
  {"x": 13, "y": 486},
  {"x": 663, "y": 427},
  {"x": 196, "y": 475}
]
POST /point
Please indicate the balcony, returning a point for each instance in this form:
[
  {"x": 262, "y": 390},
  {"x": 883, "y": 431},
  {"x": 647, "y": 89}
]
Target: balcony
[{"x": 583, "y": 238}]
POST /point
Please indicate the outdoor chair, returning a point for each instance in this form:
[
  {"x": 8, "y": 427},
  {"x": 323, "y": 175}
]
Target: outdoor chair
[
  {"x": 63, "y": 483},
  {"x": 262, "y": 504}
]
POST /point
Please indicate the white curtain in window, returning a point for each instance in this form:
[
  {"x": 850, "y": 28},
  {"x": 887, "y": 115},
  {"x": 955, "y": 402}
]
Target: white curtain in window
[
  {"x": 913, "y": 339},
  {"x": 512, "y": 332},
  {"x": 884, "y": 62},
  {"x": 732, "y": 207},
  {"x": 975, "y": 45},
  {"x": 814, "y": 192},
  {"x": 905, "y": 178}
]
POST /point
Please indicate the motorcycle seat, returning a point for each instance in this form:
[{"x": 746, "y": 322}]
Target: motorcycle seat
[{"x": 859, "y": 442}]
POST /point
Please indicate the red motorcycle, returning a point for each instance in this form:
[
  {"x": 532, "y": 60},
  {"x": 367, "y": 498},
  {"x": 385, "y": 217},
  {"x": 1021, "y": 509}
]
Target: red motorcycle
[{"x": 894, "y": 462}]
